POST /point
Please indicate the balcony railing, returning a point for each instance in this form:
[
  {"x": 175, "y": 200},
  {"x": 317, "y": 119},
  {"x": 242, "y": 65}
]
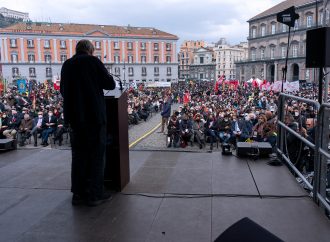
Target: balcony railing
[
  {"x": 279, "y": 31},
  {"x": 268, "y": 59}
]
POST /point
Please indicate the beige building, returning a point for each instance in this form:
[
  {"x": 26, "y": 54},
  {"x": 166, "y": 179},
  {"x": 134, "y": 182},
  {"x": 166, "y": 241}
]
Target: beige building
[
  {"x": 8, "y": 13},
  {"x": 226, "y": 56},
  {"x": 186, "y": 56},
  {"x": 203, "y": 65},
  {"x": 267, "y": 42}
]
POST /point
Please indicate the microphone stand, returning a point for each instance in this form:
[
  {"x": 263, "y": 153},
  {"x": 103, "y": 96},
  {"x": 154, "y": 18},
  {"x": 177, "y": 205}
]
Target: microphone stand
[
  {"x": 119, "y": 80},
  {"x": 275, "y": 160},
  {"x": 285, "y": 69}
]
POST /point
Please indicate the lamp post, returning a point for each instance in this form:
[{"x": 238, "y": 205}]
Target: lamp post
[{"x": 124, "y": 73}]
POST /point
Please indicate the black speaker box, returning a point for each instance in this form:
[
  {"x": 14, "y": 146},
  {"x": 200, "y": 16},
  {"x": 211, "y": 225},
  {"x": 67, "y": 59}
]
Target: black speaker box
[
  {"x": 318, "y": 48},
  {"x": 247, "y": 230},
  {"x": 254, "y": 149},
  {"x": 8, "y": 144}
]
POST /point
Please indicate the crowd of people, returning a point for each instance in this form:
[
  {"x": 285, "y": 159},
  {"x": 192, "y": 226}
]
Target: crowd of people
[
  {"x": 205, "y": 115},
  {"x": 38, "y": 114},
  {"x": 239, "y": 114}
]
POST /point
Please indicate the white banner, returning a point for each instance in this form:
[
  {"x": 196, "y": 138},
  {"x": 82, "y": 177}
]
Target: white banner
[
  {"x": 158, "y": 84},
  {"x": 288, "y": 86}
]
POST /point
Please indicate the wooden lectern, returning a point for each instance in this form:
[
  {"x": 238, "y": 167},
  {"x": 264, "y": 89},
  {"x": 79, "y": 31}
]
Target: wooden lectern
[{"x": 116, "y": 174}]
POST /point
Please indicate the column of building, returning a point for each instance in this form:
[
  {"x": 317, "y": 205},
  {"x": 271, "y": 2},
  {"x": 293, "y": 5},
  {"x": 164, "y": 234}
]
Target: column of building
[{"x": 22, "y": 50}]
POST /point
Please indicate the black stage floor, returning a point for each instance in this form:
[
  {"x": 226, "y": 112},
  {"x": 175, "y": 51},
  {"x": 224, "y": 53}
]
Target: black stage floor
[{"x": 172, "y": 196}]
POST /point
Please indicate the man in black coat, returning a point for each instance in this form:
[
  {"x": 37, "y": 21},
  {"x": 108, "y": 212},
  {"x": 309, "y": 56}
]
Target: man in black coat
[{"x": 83, "y": 78}]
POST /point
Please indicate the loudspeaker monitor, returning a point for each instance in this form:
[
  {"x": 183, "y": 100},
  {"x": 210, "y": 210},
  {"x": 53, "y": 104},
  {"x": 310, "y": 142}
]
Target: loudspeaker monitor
[{"x": 318, "y": 48}]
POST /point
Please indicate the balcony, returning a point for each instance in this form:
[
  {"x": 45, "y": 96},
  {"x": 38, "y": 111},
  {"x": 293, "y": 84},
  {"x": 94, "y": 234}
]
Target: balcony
[
  {"x": 280, "y": 32},
  {"x": 268, "y": 59}
]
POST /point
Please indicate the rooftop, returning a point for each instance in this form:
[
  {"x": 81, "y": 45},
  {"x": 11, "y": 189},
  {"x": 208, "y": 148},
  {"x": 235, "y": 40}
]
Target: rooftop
[
  {"x": 86, "y": 29},
  {"x": 280, "y": 7}
]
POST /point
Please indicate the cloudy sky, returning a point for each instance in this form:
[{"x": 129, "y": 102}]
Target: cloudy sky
[{"x": 188, "y": 19}]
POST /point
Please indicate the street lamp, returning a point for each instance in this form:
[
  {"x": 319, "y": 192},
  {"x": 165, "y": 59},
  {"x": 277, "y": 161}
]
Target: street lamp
[{"x": 124, "y": 74}]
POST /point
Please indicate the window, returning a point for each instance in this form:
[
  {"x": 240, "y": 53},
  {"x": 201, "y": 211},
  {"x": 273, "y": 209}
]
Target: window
[
  {"x": 63, "y": 58},
  {"x": 156, "y": 46},
  {"x": 263, "y": 30},
  {"x": 62, "y": 44},
  {"x": 168, "y": 46},
  {"x": 117, "y": 71},
  {"x": 283, "y": 51},
  {"x": 273, "y": 28},
  {"x": 307, "y": 74},
  {"x": 15, "y": 71},
  {"x": 30, "y": 43},
  {"x": 283, "y": 28},
  {"x": 156, "y": 59},
  {"x": 48, "y": 58},
  {"x": 156, "y": 71},
  {"x": 48, "y": 72},
  {"x": 201, "y": 60},
  {"x": 129, "y": 45},
  {"x": 116, "y": 45},
  {"x": 168, "y": 71},
  {"x": 296, "y": 25},
  {"x": 32, "y": 72},
  {"x": 14, "y": 58},
  {"x": 295, "y": 51},
  {"x": 321, "y": 18},
  {"x": 97, "y": 45},
  {"x": 262, "y": 54},
  {"x": 253, "y": 54},
  {"x": 117, "y": 59},
  {"x": 130, "y": 71},
  {"x": 253, "y": 32},
  {"x": 130, "y": 59},
  {"x": 13, "y": 43},
  {"x": 31, "y": 58},
  {"x": 168, "y": 59},
  {"x": 272, "y": 52},
  {"x": 143, "y": 46},
  {"x": 46, "y": 44},
  {"x": 143, "y": 59},
  {"x": 144, "y": 71},
  {"x": 309, "y": 20}
]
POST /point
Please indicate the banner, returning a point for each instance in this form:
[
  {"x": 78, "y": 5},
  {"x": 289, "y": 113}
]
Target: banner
[
  {"x": 158, "y": 84},
  {"x": 291, "y": 86},
  {"x": 21, "y": 85},
  {"x": 288, "y": 86}
]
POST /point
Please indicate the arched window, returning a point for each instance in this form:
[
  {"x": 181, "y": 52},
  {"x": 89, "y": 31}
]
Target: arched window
[
  {"x": 263, "y": 30},
  {"x": 253, "y": 32},
  {"x": 273, "y": 27},
  {"x": 253, "y": 54}
]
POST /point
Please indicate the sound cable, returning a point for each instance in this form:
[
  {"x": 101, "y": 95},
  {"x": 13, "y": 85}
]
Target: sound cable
[{"x": 208, "y": 195}]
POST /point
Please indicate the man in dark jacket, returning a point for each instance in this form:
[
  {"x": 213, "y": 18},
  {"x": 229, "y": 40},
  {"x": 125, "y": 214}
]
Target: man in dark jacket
[
  {"x": 83, "y": 78},
  {"x": 166, "y": 113}
]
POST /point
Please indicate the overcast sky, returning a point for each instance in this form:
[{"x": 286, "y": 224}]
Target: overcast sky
[{"x": 188, "y": 19}]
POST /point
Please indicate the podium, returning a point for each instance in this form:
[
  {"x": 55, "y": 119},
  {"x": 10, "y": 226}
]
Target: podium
[{"x": 116, "y": 174}]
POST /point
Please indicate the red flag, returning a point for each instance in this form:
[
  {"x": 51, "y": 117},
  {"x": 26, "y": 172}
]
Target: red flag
[{"x": 186, "y": 97}]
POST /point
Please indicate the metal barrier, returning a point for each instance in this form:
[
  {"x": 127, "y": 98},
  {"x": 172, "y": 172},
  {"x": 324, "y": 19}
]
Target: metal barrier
[{"x": 321, "y": 155}]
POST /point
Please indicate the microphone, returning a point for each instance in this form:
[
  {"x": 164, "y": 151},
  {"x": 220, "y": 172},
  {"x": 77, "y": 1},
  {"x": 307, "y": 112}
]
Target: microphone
[{"x": 119, "y": 80}]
